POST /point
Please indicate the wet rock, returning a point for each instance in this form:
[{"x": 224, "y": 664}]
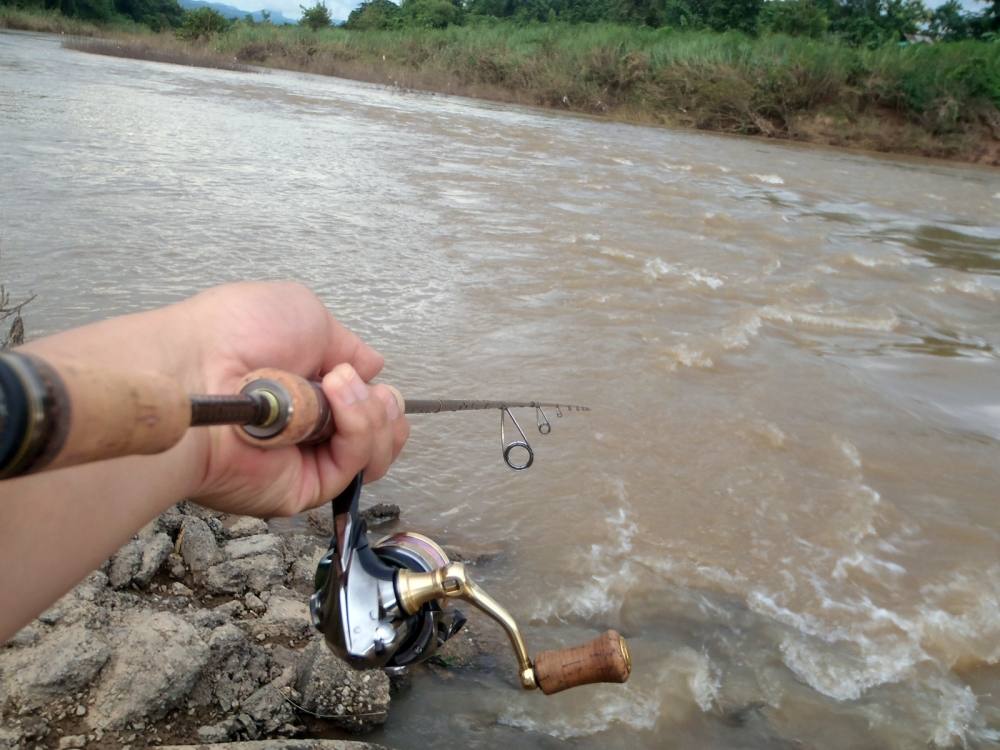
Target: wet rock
[
  {"x": 198, "y": 545},
  {"x": 256, "y": 573},
  {"x": 473, "y": 554},
  {"x": 125, "y": 564},
  {"x": 156, "y": 663},
  {"x": 353, "y": 700},
  {"x": 154, "y": 554},
  {"x": 237, "y": 527},
  {"x": 64, "y": 661},
  {"x": 379, "y": 513}
]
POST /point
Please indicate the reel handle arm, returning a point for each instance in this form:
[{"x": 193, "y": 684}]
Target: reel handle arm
[{"x": 604, "y": 659}]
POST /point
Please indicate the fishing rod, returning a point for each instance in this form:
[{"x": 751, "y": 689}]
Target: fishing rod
[{"x": 383, "y": 604}]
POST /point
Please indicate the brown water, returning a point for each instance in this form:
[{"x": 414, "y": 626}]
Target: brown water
[{"x": 787, "y": 493}]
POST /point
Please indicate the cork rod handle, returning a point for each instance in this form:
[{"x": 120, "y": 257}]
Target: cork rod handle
[{"x": 604, "y": 659}]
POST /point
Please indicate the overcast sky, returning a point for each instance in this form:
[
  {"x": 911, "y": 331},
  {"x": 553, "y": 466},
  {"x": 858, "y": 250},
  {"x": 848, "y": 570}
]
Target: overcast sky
[{"x": 339, "y": 9}]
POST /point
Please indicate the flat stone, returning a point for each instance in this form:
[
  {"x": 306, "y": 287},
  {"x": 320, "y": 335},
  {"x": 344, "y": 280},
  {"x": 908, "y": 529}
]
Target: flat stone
[
  {"x": 154, "y": 554},
  {"x": 285, "y": 617},
  {"x": 262, "y": 544},
  {"x": 256, "y": 573},
  {"x": 64, "y": 661},
  {"x": 237, "y": 527},
  {"x": 157, "y": 661},
  {"x": 72, "y": 741},
  {"x": 198, "y": 546}
]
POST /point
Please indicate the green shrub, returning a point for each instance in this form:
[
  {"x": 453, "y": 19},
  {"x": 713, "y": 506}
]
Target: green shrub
[{"x": 202, "y": 23}]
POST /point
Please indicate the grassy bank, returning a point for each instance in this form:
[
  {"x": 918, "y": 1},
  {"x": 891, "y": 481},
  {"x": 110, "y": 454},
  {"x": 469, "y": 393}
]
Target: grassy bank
[
  {"x": 52, "y": 22},
  {"x": 938, "y": 100}
]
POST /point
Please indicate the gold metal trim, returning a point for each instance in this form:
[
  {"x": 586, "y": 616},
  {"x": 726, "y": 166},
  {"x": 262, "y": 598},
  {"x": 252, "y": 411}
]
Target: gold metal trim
[{"x": 451, "y": 582}]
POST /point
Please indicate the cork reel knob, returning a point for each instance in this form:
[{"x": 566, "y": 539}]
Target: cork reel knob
[{"x": 604, "y": 659}]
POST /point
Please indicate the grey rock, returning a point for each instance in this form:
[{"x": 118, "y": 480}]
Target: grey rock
[
  {"x": 237, "y": 668},
  {"x": 26, "y": 636},
  {"x": 198, "y": 546},
  {"x": 220, "y": 732},
  {"x": 169, "y": 522},
  {"x": 125, "y": 564},
  {"x": 356, "y": 701},
  {"x": 269, "y": 709},
  {"x": 65, "y": 661},
  {"x": 254, "y": 604},
  {"x": 379, "y": 513},
  {"x": 179, "y": 589},
  {"x": 304, "y": 568},
  {"x": 175, "y": 566},
  {"x": 273, "y": 744},
  {"x": 285, "y": 617},
  {"x": 71, "y": 741},
  {"x": 154, "y": 554},
  {"x": 262, "y": 544},
  {"x": 80, "y": 604},
  {"x": 191, "y": 508},
  {"x": 256, "y": 573},
  {"x": 237, "y": 527},
  {"x": 155, "y": 665}
]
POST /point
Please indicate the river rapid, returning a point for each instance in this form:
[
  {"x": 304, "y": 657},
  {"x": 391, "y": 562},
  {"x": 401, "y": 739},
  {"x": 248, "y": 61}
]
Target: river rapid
[{"x": 786, "y": 495}]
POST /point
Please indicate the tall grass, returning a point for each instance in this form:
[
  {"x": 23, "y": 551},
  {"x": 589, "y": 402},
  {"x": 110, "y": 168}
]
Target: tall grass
[{"x": 941, "y": 99}]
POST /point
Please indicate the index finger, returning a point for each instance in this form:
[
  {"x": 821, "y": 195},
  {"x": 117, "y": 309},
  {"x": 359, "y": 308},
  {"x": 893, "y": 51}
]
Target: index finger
[{"x": 343, "y": 345}]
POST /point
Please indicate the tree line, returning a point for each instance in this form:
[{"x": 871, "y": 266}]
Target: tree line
[{"x": 859, "y": 22}]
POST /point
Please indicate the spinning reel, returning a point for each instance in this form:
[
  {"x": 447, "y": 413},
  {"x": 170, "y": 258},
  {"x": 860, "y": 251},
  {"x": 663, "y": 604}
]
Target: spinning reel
[{"x": 383, "y": 605}]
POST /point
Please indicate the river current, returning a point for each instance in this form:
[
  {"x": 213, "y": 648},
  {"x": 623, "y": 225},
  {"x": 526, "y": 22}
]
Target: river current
[{"x": 786, "y": 495}]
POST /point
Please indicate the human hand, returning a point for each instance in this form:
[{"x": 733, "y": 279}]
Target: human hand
[
  {"x": 208, "y": 343},
  {"x": 243, "y": 327}
]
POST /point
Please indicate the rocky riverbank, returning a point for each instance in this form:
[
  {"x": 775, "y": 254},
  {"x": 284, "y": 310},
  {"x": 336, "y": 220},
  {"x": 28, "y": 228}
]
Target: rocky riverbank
[{"x": 196, "y": 631}]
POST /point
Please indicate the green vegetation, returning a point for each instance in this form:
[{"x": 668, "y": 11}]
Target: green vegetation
[{"x": 829, "y": 71}]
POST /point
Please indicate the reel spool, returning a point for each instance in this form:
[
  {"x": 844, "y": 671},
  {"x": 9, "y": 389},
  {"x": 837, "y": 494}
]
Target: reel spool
[{"x": 432, "y": 625}]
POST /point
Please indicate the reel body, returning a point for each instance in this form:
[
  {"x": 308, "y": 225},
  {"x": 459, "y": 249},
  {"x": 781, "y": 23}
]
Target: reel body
[{"x": 386, "y": 606}]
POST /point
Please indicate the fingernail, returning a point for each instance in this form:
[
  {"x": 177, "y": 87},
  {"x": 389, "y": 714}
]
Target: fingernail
[
  {"x": 344, "y": 389},
  {"x": 360, "y": 388},
  {"x": 391, "y": 406}
]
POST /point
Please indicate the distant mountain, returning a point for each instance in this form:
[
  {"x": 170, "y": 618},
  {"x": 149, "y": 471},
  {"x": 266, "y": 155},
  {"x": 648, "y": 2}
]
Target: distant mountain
[{"x": 230, "y": 11}]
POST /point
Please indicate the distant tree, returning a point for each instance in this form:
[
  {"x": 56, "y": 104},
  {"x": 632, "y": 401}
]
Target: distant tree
[
  {"x": 875, "y": 22},
  {"x": 202, "y": 23},
  {"x": 316, "y": 17},
  {"x": 265, "y": 16},
  {"x": 431, "y": 14},
  {"x": 949, "y": 22},
  {"x": 794, "y": 17},
  {"x": 374, "y": 14}
]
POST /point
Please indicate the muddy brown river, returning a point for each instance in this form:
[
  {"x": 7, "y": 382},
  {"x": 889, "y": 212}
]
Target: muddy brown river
[{"x": 787, "y": 495}]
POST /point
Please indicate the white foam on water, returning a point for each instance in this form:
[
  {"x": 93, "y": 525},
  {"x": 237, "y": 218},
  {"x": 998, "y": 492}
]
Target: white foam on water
[
  {"x": 768, "y": 179},
  {"x": 623, "y": 162},
  {"x": 686, "y": 681},
  {"x": 633, "y": 709},
  {"x": 849, "y": 450},
  {"x": 682, "y": 354},
  {"x": 869, "y": 564},
  {"x": 972, "y": 287},
  {"x": 825, "y": 320},
  {"x": 838, "y": 678},
  {"x": 657, "y": 268},
  {"x": 955, "y": 715},
  {"x": 611, "y": 570}
]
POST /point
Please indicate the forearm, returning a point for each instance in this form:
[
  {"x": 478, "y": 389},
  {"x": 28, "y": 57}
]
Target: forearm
[{"x": 59, "y": 526}]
